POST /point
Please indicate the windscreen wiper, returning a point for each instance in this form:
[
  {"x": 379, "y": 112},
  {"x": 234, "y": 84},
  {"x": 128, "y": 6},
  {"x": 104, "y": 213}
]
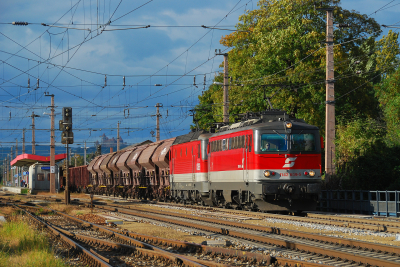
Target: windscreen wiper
[{"x": 284, "y": 138}]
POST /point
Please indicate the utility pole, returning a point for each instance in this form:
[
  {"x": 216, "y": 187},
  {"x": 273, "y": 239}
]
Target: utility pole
[
  {"x": 158, "y": 106},
  {"x": 84, "y": 155},
  {"x": 16, "y": 155},
  {"x": 11, "y": 172},
  {"x": 226, "y": 88},
  {"x": 8, "y": 166},
  {"x": 52, "y": 148},
  {"x": 23, "y": 141},
  {"x": 117, "y": 138},
  {"x": 6, "y": 172},
  {"x": 33, "y": 131},
  {"x": 330, "y": 98}
]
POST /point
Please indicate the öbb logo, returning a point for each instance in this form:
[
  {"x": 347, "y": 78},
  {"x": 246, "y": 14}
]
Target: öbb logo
[{"x": 289, "y": 162}]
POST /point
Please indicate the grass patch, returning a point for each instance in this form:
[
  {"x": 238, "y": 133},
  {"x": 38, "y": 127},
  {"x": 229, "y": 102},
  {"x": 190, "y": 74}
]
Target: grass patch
[
  {"x": 25, "y": 191},
  {"x": 17, "y": 212},
  {"x": 22, "y": 246}
]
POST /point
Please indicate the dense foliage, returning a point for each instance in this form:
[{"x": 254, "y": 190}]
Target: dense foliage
[
  {"x": 365, "y": 160},
  {"x": 278, "y": 52}
]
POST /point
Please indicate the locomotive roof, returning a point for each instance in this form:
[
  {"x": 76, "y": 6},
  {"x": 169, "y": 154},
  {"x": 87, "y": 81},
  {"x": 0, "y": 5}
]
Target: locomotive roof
[
  {"x": 268, "y": 120},
  {"x": 188, "y": 137}
]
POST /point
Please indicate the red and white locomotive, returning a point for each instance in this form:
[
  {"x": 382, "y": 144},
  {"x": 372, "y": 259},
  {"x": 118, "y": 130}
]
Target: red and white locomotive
[{"x": 269, "y": 162}]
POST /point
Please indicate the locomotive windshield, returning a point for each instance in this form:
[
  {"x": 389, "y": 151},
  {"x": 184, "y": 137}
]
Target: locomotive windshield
[
  {"x": 273, "y": 142},
  {"x": 282, "y": 142},
  {"x": 303, "y": 142}
]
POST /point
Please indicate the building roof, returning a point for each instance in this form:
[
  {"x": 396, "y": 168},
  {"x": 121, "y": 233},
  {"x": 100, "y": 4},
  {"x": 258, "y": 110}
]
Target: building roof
[{"x": 29, "y": 159}]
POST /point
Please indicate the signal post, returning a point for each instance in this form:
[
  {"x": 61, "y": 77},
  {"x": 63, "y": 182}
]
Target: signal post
[{"x": 67, "y": 137}]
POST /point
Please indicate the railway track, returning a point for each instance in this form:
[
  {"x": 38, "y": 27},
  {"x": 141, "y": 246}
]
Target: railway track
[
  {"x": 329, "y": 250},
  {"x": 87, "y": 257},
  {"x": 373, "y": 224},
  {"x": 323, "y": 248},
  {"x": 115, "y": 247},
  {"x": 391, "y": 225}
]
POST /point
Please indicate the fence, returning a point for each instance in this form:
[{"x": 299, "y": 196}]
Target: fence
[{"x": 380, "y": 203}]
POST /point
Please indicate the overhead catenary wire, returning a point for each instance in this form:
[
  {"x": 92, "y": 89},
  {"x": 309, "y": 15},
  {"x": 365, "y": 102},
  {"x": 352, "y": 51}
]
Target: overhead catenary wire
[{"x": 154, "y": 95}]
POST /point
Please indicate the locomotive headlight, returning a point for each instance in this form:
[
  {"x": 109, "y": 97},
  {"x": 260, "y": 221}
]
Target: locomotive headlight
[
  {"x": 312, "y": 173},
  {"x": 267, "y": 173},
  {"x": 289, "y": 125}
]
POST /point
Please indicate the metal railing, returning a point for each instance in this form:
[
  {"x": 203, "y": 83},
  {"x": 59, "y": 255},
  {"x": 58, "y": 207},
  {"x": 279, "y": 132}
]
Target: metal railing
[{"x": 380, "y": 203}]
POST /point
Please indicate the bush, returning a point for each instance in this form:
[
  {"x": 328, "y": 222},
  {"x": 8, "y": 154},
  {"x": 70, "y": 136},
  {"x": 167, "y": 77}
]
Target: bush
[{"x": 364, "y": 160}]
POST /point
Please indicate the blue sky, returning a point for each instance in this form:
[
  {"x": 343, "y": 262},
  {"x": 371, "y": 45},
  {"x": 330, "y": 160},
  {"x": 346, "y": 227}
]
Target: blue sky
[{"x": 71, "y": 62}]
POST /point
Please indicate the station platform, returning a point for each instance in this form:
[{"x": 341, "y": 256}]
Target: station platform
[{"x": 15, "y": 189}]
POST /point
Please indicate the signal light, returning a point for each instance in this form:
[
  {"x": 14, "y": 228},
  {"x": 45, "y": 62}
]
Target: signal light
[
  {"x": 312, "y": 173},
  {"x": 65, "y": 125},
  {"x": 305, "y": 173},
  {"x": 288, "y": 125}
]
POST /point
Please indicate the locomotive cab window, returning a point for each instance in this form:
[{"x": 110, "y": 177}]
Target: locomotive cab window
[
  {"x": 273, "y": 142},
  {"x": 303, "y": 142},
  {"x": 250, "y": 144}
]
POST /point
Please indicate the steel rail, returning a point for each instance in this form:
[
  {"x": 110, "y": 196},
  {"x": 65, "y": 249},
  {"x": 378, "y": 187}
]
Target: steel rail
[
  {"x": 279, "y": 231},
  {"x": 357, "y": 223},
  {"x": 141, "y": 251},
  {"x": 234, "y": 253},
  {"x": 273, "y": 230},
  {"x": 248, "y": 256},
  {"x": 178, "y": 258},
  {"x": 263, "y": 239},
  {"x": 90, "y": 257},
  {"x": 382, "y": 225}
]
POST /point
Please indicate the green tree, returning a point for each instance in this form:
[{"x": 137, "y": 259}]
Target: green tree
[
  {"x": 90, "y": 157},
  {"x": 364, "y": 160},
  {"x": 279, "y": 44},
  {"x": 388, "y": 93},
  {"x": 77, "y": 160}
]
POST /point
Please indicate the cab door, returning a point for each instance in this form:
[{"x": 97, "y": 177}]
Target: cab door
[
  {"x": 172, "y": 158},
  {"x": 194, "y": 162}
]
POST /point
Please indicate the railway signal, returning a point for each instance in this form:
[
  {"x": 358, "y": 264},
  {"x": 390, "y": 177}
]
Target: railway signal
[
  {"x": 67, "y": 137},
  {"x": 65, "y": 126},
  {"x": 98, "y": 150}
]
